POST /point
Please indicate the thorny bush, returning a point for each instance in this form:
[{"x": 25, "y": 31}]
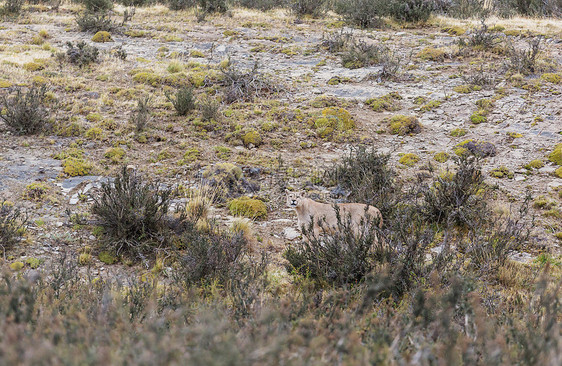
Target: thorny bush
[
  {"x": 141, "y": 115},
  {"x": 12, "y": 226},
  {"x": 246, "y": 85},
  {"x": 339, "y": 257},
  {"x": 364, "y": 176},
  {"x": 82, "y": 54},
  {"x": 182, "y": 100},
  {"x": 132, "y": 214},
  {"x": 25, "y": 112},
  {"x": 362, "y": 13},
  {"x": 457, "y": 198}
]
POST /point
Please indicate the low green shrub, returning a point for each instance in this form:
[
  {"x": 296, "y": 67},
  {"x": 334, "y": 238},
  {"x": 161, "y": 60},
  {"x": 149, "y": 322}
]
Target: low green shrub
[
  {"x": 96, "y": 6},
  {"x": 362, "y": 13},
  {"x": 181, "y": 4},
  {"x": 248, "y": 207},
  {"x": 82, "y": 54},
  {"x": 25, "y": 113},
  {"x": 314, "y": 8},
  {"x": 338, "y": 256},
  {"x": 213, "y": 6},
  {"x": 12, "y": 226},
  {"x": 410, "y": 10},
  {"x": 457, "y": 198},
  {"x": 141, "y": 115},
  {"x": 365, "y": 176},
  {"x": 183, "y": 101},
  {"x": 12, "y": 7},
  {"x": 95, "y": 22},
  {"x": 132, "y": 214}
]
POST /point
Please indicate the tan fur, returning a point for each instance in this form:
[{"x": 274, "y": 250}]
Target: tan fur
[{"x": 307, "y": 209}]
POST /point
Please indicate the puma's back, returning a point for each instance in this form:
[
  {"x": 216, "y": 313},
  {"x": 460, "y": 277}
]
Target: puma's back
[{"x": 308, "y": 209}]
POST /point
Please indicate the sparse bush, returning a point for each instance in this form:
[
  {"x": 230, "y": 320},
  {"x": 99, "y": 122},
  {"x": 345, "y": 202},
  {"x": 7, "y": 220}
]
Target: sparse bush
[
  {"x": 81, "y": 54},
  {"x": 262, "y": 5},
  {"x": 183, "y": 101},
  {"x": 12, "y": 7},
  {"x": 132, "y": 214},
  {"x": 524, "y": 61},
  {"x": 314, "y": 8},
  {"x": 97, "y": 6},
  {"x": 137, "y": 3},
  {"x": 25, "y": 112},
  {"x": 465, "y": 8},
  {"x": 12, "y": 226},
  {"x": 245, "y": 85},
  {"x": 128, "y": 15},
  {"x": 95, "y": 22},
  {"x": 181, "y": 4},
  {"x": 209, "y": 108},
  {"x": 480, "y": 78},
  {"x": 365, "y": 177},
  {"x": 141, "y": 115},
  {"x": 360, "y": 54},
  {"x": 482, "y": 38},
  {"x": 457, "y": 198},
  {"x": 480, "y": 149},
  {"x": 362, "y": 13},
  {"x": 532, "y": 8},
  {"x": 337, "y": 41},
  {"x": 410, "y": 10},
  {"x": 491, "y": 241},
  {"x": 213, "y": 6},
  {"x": 208, "y": 256},
  {"x": 340, "y": 257},
  {"x": 391, "y": 64},
  {"x": 119, "y": 53}
]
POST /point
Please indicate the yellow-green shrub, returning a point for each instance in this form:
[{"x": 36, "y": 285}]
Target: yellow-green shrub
[
  {"x": 409, "y": 159},
  {"x": 404, "y": 125},
  {"x": 76, "y": 167},
  {"x": 248, "y": 207},
  {"x": 102, "y": 36},
  {"x": 556, "y": 155}
]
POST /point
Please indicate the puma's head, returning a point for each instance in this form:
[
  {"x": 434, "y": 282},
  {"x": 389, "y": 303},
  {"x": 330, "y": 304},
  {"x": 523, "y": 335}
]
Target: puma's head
[{"x": 294, "y": 198}]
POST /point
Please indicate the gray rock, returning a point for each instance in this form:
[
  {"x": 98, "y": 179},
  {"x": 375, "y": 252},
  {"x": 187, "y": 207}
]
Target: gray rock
[{"x": 290, "y": 234}]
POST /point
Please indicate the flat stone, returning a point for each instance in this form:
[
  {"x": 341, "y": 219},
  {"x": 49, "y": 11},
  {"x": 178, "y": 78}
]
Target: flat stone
[
  {"x": 74, "y": 199},
  {"x": 547, "y": 169},
  {"x": 290, "y": 233},
  {"x": 283, "y": 221},
  {"x": 522, "y": 257},
  {"x": 554, "y": 185}
]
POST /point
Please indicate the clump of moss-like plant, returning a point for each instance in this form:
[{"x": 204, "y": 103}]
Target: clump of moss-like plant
[{"x": 404, "y": 125}]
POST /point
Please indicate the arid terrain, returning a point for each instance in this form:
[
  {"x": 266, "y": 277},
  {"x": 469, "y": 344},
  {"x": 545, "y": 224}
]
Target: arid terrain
[
  {"x": 94, "y": 104},
  {"x": 277, "y": 100}
]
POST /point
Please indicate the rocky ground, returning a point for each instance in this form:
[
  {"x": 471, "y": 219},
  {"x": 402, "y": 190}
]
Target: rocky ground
[{"x": 92, "y": 109}]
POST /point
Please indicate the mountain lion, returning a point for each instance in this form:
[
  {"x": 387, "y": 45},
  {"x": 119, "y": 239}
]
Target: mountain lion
[{"x": 307, "y": 209}]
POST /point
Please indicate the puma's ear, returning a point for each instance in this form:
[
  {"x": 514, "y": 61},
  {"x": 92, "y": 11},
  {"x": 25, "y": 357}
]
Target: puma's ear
[{"x": 301, "y": 193}]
